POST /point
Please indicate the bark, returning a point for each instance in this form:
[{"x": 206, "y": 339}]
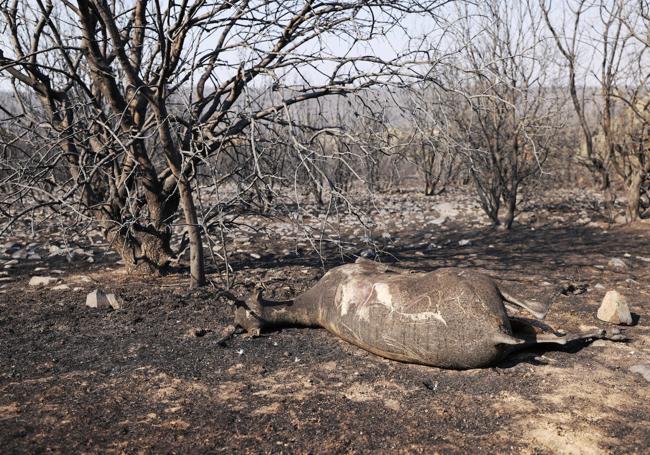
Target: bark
[
  {"x": 175, "y": 163},
  {"x": 511, "y": 207},
  {"x": 197, "y": 269},
  {"x": 143, "y": 249},
  {"x": 634, "y": 196}
]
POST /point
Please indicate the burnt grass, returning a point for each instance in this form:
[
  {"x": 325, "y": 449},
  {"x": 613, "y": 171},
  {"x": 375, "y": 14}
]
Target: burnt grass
[{"x": 159, "y": 376}]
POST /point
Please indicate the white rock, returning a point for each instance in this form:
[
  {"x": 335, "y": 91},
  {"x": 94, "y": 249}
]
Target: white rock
[
  {"x": 464, "y": 242},
  {"x": 42, "y": 280},
  {"x": 643, "y": 369},
  {"x": 617, "y": 264},
  {"x": 599, "y": 286},
  {"x": 98, "y": 299},
  {"x": 61, "y": 287},
  {"x": 114, "y": 301},
  {"x": 614, "y": 309},
  {"x": 256, "y": 256}
]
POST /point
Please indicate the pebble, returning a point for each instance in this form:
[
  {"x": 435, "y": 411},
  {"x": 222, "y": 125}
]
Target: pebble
[
  {"x": 617, "y": 264},
  {"x": 614, "y": 309},
  {"x": 42, "y": 280},
  {"x": 20, "y": 254},
  {"x": 367, "y": 253},
  {"x": 464, "y": 242},
  {"x": 61, "y": 287}
]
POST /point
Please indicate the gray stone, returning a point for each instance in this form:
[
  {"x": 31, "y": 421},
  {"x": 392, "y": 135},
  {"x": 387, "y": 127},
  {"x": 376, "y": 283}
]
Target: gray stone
[
  {"x": 614, "y": 309},
  {"x": 11, "y": 247},
  {"x": 21, "y": 254},
  {"x": 464, "y": 242},
  {"x": 643, "y": 369},
  {"x": 367, "y": 253},
  {"x": 42, "y": 280}
]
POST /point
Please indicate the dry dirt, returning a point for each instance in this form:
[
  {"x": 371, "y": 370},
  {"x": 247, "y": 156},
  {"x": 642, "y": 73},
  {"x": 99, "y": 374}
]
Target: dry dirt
[{"x": 154, "y": 377}]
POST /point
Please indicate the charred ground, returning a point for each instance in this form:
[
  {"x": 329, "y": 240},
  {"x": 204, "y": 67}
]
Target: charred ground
[{"x": 156, "y": 376}]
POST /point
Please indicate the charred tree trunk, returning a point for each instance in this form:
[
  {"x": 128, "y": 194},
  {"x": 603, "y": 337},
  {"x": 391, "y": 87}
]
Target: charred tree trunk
[
  {"x": 634, "y": 196},
  {"x": 142, "y": 249},
  {"x": 175, "y": 163},
  {"x": 509, "y": 217}
]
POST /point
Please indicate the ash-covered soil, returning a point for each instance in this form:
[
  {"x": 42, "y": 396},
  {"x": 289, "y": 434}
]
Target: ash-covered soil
[{"x": 157, "y": 375}]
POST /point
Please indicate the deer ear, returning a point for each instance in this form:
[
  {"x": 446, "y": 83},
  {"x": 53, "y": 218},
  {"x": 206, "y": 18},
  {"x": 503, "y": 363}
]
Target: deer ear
[{"x": 254, "y": 302}]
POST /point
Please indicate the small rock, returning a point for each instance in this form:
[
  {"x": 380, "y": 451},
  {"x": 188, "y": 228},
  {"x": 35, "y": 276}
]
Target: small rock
[
  {"x": 42, "y": 280},
  {"x": 464, "y": 242},
  {"x": 114, "y": 301},
  {"x": 20, "y": 254},
  {"x": 599, "y": 286},
  {"x": 614, "y": 309},
  {"x": 99, "y": 299},
  {"x": 256, "y": 256},
  {"x": 367, "y": 253},
  {"x": 574, "y": 288},
  {"x": 11, "y": 247},
  {"x": 617, "y": 264},
  {"x": 643, "y": 369},
  {"x": 61, "y": 287}
]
